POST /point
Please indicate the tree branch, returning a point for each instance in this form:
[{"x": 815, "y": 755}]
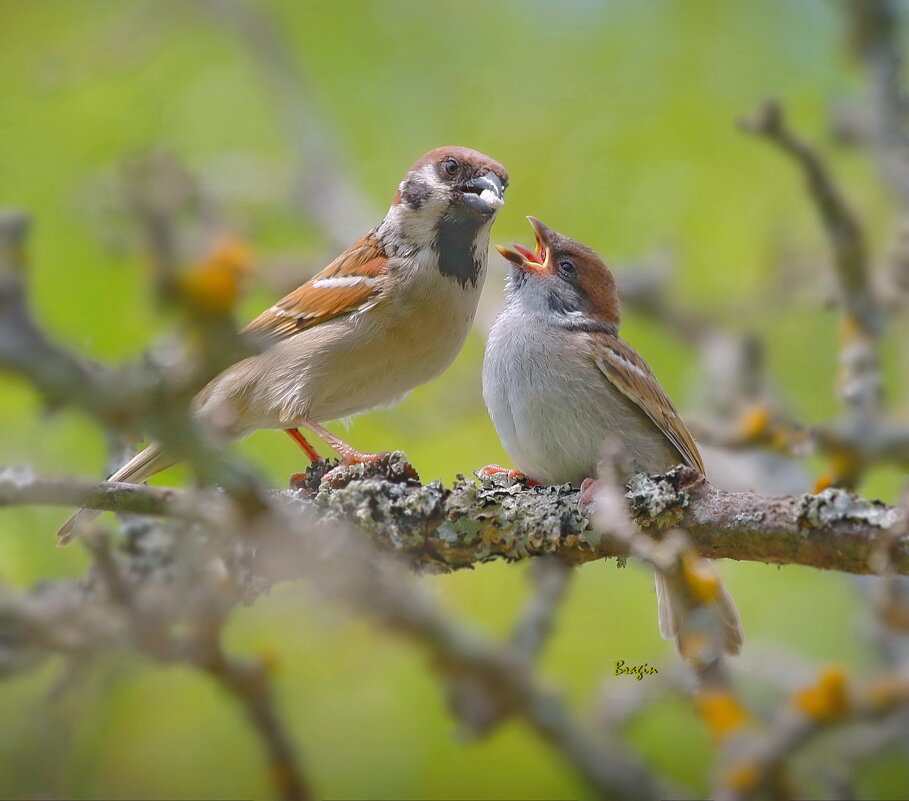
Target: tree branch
[
  {"x": 184, "y": 576},
  {"x": 477, "y": 707},
  {"x": 843, "y": 228},
  {"x": 757, "y": 763},
  {"x": 445, "y": 529},
  {"x": 248, "y": 682},
  {"x": 874, "y": 30},
  {"x": 127, "y": 398},
  {"x": 19, "y": 485},
  {"x": 860, "y": 379}
]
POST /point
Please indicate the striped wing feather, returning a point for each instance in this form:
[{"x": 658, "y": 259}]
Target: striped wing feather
[
  {"x": 348, "y": 284},
  {"x": 631, "y": 375}
]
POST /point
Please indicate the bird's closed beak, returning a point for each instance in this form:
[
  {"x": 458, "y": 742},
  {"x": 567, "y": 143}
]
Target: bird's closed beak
[{"x": 530, "y": 261}]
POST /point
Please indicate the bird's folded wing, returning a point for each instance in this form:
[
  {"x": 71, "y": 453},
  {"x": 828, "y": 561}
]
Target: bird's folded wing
[
  {"x": 349, "y": 284},
  {"x": 632, "y": 376}
]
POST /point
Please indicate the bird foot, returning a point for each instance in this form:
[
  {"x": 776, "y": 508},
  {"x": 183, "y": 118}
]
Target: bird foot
[
  {"x": 587, "y": 494},
  {"x": 332, "y": 474},
  {"x": 512, "y": 475},
  {"x": 356, "y": 466},
  {"x": 340, "y": 475}
]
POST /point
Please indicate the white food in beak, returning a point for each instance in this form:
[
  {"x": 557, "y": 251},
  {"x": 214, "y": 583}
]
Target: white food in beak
[{"x": 491, "y": 199}]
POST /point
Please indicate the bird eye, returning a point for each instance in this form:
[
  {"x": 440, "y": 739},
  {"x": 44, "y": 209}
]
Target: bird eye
[
  {"x": 567, "y": 270},
  {"x": 451, "y": 166}
]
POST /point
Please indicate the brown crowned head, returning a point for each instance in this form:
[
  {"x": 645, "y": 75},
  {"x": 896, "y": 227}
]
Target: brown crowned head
[
  {"x": 457, "y": 176},
  {"x": 565, "y": 276}
]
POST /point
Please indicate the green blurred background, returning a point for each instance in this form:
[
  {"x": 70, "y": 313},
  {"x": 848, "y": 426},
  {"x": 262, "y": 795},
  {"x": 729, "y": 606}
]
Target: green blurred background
[{"x": 616, "y": 121}]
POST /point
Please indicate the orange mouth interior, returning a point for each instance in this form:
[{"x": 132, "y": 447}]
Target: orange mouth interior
[{"x": 533, "y": 256}]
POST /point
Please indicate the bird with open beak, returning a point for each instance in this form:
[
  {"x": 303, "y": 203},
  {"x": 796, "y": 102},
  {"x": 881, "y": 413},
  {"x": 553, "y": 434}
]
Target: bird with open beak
[
  {"x": 558, "y": 380},
  {"x": 388, "y": 314}
]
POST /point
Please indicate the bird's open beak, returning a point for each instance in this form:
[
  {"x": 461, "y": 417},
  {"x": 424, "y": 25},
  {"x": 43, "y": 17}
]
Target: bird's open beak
[
  {"x": 530, "y": 261},
  {"x": 485, "y": 193}
]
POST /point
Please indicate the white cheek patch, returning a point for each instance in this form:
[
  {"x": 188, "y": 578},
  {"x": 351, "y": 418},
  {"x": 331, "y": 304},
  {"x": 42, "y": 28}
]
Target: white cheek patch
[
  {"x": 491, "y": 199},
  {"x": 431, "y": 177}
]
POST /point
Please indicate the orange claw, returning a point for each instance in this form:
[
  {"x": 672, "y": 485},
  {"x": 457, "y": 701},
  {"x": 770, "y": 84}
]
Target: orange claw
[{"x": 512, "y": 475}]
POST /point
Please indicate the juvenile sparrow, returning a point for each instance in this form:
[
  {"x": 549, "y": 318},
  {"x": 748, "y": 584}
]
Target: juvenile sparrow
[
  {"x": 389, "y": 314},
  {"x": 558, "y": 380}
]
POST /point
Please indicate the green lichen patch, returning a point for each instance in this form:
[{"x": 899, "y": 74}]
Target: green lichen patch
[
  {"x": 837, "y": 505},
  {"x": 472, "y": 522},
  {"x": 394, "y": 514},
  {"x": 658, "y": 499},
  {"x": 746, "y": 519}
]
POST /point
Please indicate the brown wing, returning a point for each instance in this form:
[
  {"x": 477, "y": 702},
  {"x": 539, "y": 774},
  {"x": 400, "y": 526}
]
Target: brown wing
[
  {"x": 632, "y": 376},
  {"x": 351, "y": 282}
]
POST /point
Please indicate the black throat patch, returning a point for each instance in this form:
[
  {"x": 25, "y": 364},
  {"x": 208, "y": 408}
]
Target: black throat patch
[{"x": 456, "y": 233}]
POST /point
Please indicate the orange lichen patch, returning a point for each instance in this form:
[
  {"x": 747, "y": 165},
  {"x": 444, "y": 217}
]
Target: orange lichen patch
[
  {"x": 742, "y": 777},
  {"x": 851, "y": 330},
  {"x": 269, "y": 660},
  {"x": 784, "y": 437},
  {"x": 722, "y": 713},
  {"x": 823, "y": 481},
  {"x": 781, "y": 440},
  {"x": 827, "y": 700},
  {"x": 214, "y": 285},
  {"x": 755, "y": 423},
  {"x": 701, "y": 579},
  {"x": 887, "y": 692}
]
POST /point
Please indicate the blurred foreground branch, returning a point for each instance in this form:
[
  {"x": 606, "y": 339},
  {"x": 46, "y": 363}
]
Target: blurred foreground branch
[{"x": 175, "y": 576}]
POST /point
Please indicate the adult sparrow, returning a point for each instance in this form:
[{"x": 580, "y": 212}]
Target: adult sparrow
[
  {"x": 389, "y": 314},
  {"x": 558, "y": 380}
]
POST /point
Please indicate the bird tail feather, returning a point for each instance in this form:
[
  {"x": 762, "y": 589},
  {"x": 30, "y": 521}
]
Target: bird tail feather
[
  {"x": 672, "y": 611},
  {"x": 143, "y": 465}
]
